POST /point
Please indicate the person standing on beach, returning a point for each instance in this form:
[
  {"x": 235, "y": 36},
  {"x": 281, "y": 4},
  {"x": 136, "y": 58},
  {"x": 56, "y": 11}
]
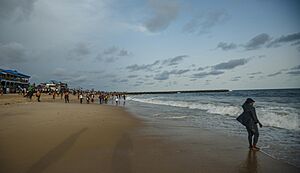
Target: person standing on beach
[
  {"x": 38, "y": 95},
  {"x": 87, "y": 99},
  {"x": 117, "y": 100},
  {"x": 1, "y": 90},
  {"x": 249, "y": 119},
  {"x": 124, "y": 99},
  {"x": 31, "y": 89},
  {"x": 81, "y": 98},
  {"x": 61, "y": 94},
  {"x": 93, "y": 96},
  {"x": 53, "y": 95},
  {"x": 66, "y": 96},
  {"x": 100, "y": 98}
]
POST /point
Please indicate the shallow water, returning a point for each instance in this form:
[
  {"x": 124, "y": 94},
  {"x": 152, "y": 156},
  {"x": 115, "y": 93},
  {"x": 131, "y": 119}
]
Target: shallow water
[{"x": 278, "y": 111}]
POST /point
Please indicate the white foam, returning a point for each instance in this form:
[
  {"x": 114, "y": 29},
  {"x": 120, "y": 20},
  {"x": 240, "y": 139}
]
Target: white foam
[
  {"x": 281, "y": 117},
  {"x": 208, "y": 107},
  {"x": 177, "y": 117}
]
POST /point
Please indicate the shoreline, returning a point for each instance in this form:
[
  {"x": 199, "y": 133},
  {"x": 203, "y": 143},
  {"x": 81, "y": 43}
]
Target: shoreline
[
  {"x": 61, "y": 137},
  {"x": 191, "y": 138}
]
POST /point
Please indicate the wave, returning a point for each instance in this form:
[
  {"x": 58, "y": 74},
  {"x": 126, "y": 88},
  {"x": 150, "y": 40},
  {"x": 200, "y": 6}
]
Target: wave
[
  {"x": 208, "y": 107},
  {"x": 280, "y": 117},
  {"x": 177, "y": 117}
]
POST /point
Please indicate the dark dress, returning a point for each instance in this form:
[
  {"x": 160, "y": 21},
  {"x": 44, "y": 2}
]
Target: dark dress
[{"x": 249, "y": 119}]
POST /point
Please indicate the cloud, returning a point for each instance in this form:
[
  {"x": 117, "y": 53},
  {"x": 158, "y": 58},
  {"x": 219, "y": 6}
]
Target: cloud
[
  {"x": 219, "y": 68},
  {"x": 108, "y": 76},
  {"x": 226, "y": 46},
  {"x": 294, "y": 72},
  {"x": 123, "y": 80},
  {"x": 111, "y": 59},
  {"x": 285, "y": 39},
  {"x": 73, "y": 78},
  {"x": 263, "y": 40},
  {"x": 149, "y": 83},
  {"x": 275, "y": 74},
  {"x": 296, "y": 43},
  {"x": 59, "y": 72},
  {"x": 17, "y": 9},
  {"x": 257, "y": 42},
  {"x": 112, "y": 54},
  {"x": 12, "y": 53},
  {"x": 123, "y": 53},
  {"x": 237, "y": 78},
  {"x": 179, "y": 71},
  {"x": 205, "y": 74},
  {"x": 166, "y": 74},
  {"x": 132, "y": 76},
  {"x": 110, "y": 51},
  {"x": 296, "y": 67},
  {"x": 79, "y": 79},
  {"x": 79, "y": 51},
  {"x": 162, "y": 76},
  {"x": 147, "y": 67},
  {"x": 137, "y": 84},
  {"x": 91, "y": 71},
  {"x": 174, "y": 61},
  {"x": 202, "y": 68},
  {"x": 255, "y": 73},
  {"x": 203, "y": 23},
  {"x": 230, "y": 64},
  {"x": 164, "y": 12}
]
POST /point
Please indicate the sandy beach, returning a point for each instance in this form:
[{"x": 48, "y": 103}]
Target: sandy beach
[{"x": 52, "y": 136}]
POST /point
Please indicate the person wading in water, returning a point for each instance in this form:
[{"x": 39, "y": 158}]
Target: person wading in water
[{"x": 249, "y": 119}]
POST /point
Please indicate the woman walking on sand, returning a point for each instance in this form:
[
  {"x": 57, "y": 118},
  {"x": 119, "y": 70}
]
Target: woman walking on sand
[{"x": 249, "y": 119}]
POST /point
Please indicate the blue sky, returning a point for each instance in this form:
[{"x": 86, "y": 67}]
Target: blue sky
[{"x": 147, "y": 45}]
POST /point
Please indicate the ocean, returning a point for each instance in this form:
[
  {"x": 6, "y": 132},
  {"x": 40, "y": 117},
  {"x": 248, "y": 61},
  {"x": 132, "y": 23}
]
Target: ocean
[{"x": 277, "y": 109}]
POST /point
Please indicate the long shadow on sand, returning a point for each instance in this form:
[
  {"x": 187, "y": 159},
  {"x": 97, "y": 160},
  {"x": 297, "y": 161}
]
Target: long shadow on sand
[
  {"x": 56, "y": 153},
  {"x": 121, "y": 157}
]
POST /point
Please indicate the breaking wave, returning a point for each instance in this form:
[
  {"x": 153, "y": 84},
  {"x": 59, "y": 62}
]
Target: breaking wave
[{"x": 274, "y": 116}]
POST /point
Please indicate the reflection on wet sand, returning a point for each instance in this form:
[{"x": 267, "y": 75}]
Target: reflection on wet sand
[
  {"x": 121, "y": 157},
  {"x": 250, "y": 165}
]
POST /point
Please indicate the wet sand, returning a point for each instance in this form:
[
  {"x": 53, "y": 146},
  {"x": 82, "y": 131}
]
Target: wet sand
[{"x": 52, "y": 136}]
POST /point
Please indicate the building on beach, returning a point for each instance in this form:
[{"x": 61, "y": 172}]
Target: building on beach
[
  {"x": 53, "y": 85},
  {"x": 12, "y": 81}
]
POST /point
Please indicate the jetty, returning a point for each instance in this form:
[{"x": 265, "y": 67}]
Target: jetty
[{"x": 177, "y": 92}]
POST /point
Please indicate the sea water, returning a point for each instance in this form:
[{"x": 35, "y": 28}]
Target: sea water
[{"x": 278, "y": 111}]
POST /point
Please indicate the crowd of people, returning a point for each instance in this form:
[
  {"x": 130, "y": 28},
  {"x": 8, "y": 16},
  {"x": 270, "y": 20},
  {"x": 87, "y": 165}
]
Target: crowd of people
[
  {"x": 103, "y": 97},
  {"x": 87, "y": 97}
]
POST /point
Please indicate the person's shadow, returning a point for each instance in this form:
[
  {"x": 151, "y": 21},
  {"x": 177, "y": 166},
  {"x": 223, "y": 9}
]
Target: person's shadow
[{"x": 250, "y": 165}]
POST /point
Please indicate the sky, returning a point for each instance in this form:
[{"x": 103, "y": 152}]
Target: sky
[{"x": 153, "y": 45}]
